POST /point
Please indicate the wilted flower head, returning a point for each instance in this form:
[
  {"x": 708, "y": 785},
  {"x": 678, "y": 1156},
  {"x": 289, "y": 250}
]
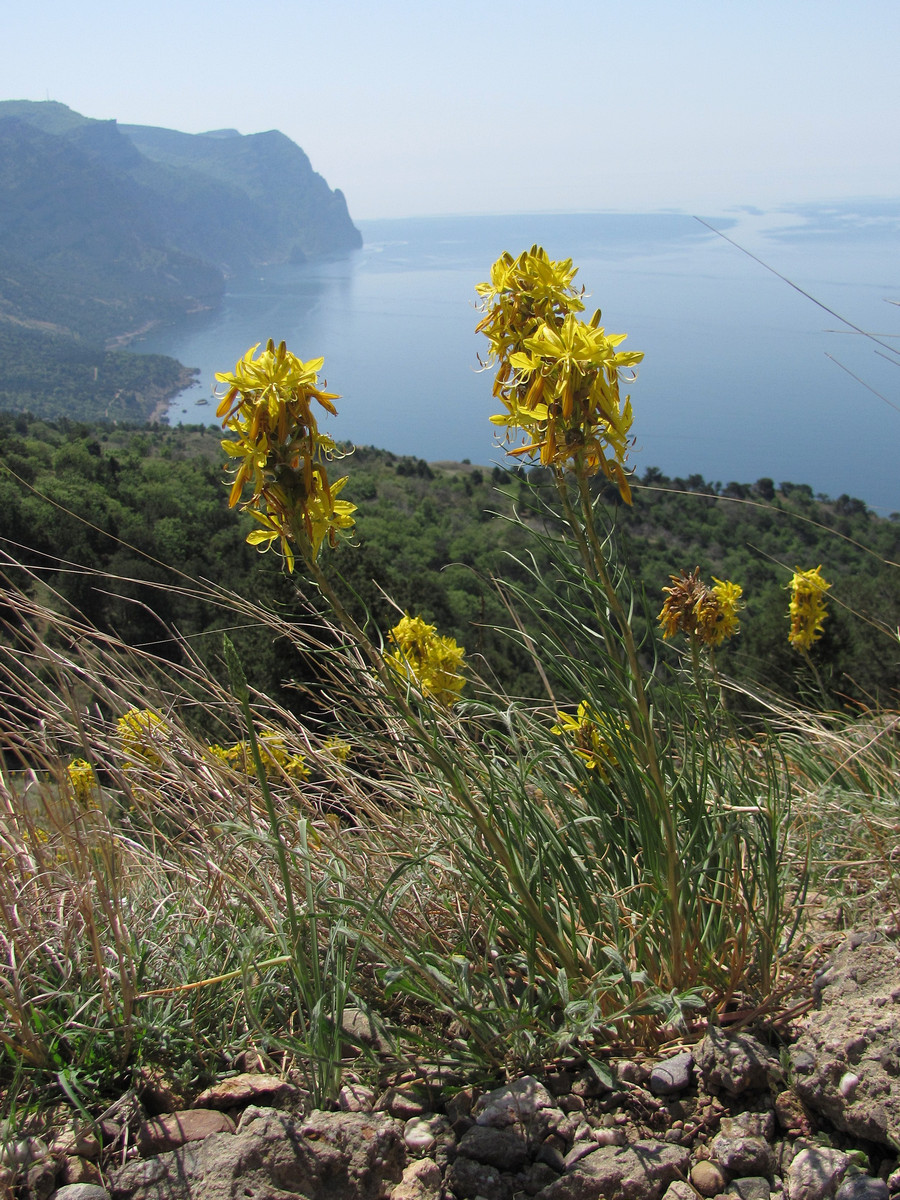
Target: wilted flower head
[
  {"x": 807, "y": 608},
  {"x": 557, "y": 375},
  {"x": 432, "y": 663},
  {"x": 709, "y": 614},
  {"x": 268, "y": 410}
]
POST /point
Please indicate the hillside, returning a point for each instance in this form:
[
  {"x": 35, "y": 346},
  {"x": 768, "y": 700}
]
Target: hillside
[
  {"x": 107, "y": 229},
  {"x": 430, "y": 537}
]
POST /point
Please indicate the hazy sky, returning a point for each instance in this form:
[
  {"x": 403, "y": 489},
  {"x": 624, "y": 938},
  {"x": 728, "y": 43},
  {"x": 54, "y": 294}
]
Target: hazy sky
[{"x": 471, "y": 106}]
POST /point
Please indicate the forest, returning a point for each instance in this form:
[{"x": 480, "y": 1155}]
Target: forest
[{"x": 110, "y": 516}]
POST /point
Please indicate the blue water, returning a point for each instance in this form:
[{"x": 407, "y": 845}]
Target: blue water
[{"x": 736, "y": 382}]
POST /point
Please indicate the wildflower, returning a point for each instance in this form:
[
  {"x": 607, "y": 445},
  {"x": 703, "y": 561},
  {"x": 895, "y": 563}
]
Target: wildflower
[
  {"x": 277, "y": 760},
  {"x": 281, "y": 453},
  {"x": 558, "y": 376},
  {"x": 140, "y": 730},
  {"x": 807, "y": 608},
  {"x": 588, "y": 732},
  {"x": 708, "y": 614},
  {"x": 336, "y": 749},
  {"x": 83, "y": 782},
  {"x": 431, "y": 662}
]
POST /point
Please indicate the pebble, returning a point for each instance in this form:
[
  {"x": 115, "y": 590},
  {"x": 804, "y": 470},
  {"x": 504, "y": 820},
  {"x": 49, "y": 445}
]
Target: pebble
[
  {"x": 673, "y": 1075},
  {"x": 708, "y": 1178}
]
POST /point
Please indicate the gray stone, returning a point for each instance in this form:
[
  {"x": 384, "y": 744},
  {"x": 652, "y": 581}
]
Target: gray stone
[
  {"x": 468, "y": 1179},
  {"x": 862, "y": 1187},
  {"x": 405, "y": 1102},
  {"x": 815, "y": 1173},
  {"x": 505, "y": 1149},
  {"x": 679, "y": 1190},
  {"x": 641, "y": 1171},
  {"x": 331, "y": 1156},
  {"x": 355, "y": 1097},
  {"x": 673, "y": 1075},
  {"x": 851, "y": 1045},
  {"x": 80, "y": 1191},
  {"x": 517, "y": 1101},
  {"x": 40, "y": 1180},
  {"x": 735, "y": 1063},
  {"x": 749, "y": 1124},
  {"x": 751, "y": 1187},
  {"x": 743, "y": 1155}
]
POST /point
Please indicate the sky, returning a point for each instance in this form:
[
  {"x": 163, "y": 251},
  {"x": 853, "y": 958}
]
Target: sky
[{"x": 487, "y": 106}]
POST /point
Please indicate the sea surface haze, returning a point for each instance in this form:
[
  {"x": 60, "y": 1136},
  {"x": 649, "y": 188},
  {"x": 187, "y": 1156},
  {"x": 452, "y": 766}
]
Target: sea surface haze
[{"x": 743, "y": 376}]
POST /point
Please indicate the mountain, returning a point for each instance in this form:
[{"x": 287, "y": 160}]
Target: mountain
[
  {"x": 106, "y": 229},
  {"x": 117, "y": 218}
]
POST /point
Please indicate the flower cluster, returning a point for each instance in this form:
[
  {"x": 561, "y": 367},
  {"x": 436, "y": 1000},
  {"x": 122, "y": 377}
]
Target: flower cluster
[
  {"x": 432, "y": 663},
  {"x": 807, "y": 608},
  {"x": 557, "y": 376},
  {"x": 277, "y": 759},
  {"x": 140, "y": 731},
  {"x": 708, "y": 614},
  {"x": 83, "y": 782},
  {"x": 267, "y": 409},
  {"x": 589, "y": 733}
]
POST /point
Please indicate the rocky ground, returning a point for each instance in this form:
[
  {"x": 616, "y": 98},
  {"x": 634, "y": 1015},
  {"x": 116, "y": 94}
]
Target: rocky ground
[{"x": 726, "y": 1118}]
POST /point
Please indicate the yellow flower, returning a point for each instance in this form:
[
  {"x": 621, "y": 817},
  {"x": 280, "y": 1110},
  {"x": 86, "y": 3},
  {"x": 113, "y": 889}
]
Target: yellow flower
[
  {"x": 267, "y": 409},
  {"x": 140, "y": 730},
  {"x": 807, "y": 608},
  {"x": 277, "y": 759},
  {"x": 588, "y": 732},
  {"x": 432, "y": 663},
  {"x": 557, "y": 376},
  {"x": 708, "y": 614},
  {"x": 83, "y": 782}
]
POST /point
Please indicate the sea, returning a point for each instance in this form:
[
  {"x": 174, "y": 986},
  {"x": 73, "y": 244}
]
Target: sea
[{"x": 771, "y": 338}]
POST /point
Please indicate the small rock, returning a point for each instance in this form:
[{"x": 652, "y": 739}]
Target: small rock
[
  {"x": 743, "y": 1155},
  {"x": 505, "y": 1149},
  {"x": 607, "y": 1136},
  {"x": 679, "y": 1190},
  {"x": 404, "y": 1102},
  {"x": 515, "y": 1102},
  {"x": 22, "y": 1151},
  {"x": 735, "y": 1063},
  {"x": 81, "y": 1191},
  {"x": 751, "y": 1187},
  {"x": 421, "y": 1181},
  {"x": 468, "y": 1179},
  {"x": 632, "y": 1072},
  {"x": 355, "y": 1097},
  {"x": 79, "y": 1170},
  {"x": 862, "y": 1187},
  {"x": 749, "y": 1124},
  {"x": 159, "y": 1091},
  {"x": 248, "y": 1088},
  {"x": 418, "y": 1136},
  {"x": 641, "y": 1170},
  {"x": 534, "y": 1178},
  {"x": 571, "y": 1104},
  {"x": 41, "y": 1179},
  {"x": 588, "y": 1086},
  {"x": 793, "y": 1115},
  {"x": 168, "y": 1132},
  {"x": 673, "y": 1075},
  {"x": 815, "y": 1173},
  {"x": 708, "y": 1178}
]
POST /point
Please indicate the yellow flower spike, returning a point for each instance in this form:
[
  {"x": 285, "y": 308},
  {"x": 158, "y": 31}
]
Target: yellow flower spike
[
  {"x": 83, "y": 782},
  {"x": 557, "y": 375},
  {"x": 140, "y": 731},
  {"x": 268, "y": 411},
  {"x": 807, "y": 608},
  {"x": 588, "y": 734},
  {"x": 431, "y": 663}
]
